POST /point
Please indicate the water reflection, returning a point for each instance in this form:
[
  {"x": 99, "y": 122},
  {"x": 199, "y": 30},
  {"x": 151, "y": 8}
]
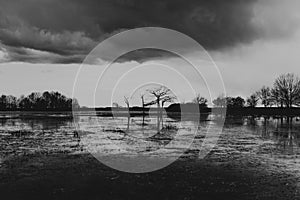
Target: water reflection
[
  {"x": 283, "y": 132},
  {"x": 277, "y": 135},
  {"x": 53, "y": 122}
]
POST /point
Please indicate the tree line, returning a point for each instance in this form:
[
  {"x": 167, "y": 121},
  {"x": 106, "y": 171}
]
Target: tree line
[
  {"x": 285, "y": 92},
  {"x": 47, "y": 101}
]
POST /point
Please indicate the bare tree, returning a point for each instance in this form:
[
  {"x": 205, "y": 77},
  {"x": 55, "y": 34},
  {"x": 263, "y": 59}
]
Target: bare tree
[
  {"x": 287, "y": 90},
  {"x": 167, "y": 99},
  {"x": 252, "y": 100},
  {"x": 265, "y": 96},
  {"x": 143, "y": 106},
  {"x": 126, "y": 100},
  {"x": 276, "y": 98},
  {"x": 161, "y": 94}
]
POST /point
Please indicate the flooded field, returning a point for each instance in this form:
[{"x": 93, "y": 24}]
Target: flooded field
[{"x": 43, "y": 157}]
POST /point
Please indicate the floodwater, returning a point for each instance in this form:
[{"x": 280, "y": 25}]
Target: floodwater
[
  {"x": 274, "y": 138},
  {"x": 262, "y": 144}
]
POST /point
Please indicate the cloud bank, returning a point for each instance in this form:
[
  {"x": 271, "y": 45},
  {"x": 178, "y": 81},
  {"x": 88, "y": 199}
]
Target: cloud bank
[{"x": 56, "y": 31}]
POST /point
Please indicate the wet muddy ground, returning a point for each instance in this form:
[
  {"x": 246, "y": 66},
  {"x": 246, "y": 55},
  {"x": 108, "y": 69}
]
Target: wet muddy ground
[{"x": 250, "y": 161}]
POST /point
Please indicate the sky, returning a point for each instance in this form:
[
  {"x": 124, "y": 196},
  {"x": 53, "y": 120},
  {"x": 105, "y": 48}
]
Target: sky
[{"x": 44, "y": 42}]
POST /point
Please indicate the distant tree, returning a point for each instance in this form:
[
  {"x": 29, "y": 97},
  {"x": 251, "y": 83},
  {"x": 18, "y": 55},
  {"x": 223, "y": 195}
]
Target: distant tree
[
  {"x": 3, "y": 102},
  {"x": 24, "y": 103},
  {"x": 34, "y": 99},
  {"x": 11, "y": 102},
  {"x": 276, "y": 98},
  {"x": 37, "y": 102},
  {"x": 115, "y": 105},
  {"x": 252, "y": 101},
  {"x": 239, "y": 102},
  {"x": 265, "y": 96},
  {"x": 235, "y": 102},
  {"x": 200, "y": 100},
  {"x": 47, "y": 97},
  {"x": 57, "y": 100},
  {"x": 286, "y": 90},
  {"x": 220, "y": 101}
]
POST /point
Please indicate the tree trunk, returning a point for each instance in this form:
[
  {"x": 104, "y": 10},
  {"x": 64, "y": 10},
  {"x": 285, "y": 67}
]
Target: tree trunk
[
  {"x": 143, "y": 105},
  {"x": 161, "y": 115},
  {"x": 158, "y": 115},
  {"x": 128, "y": 117}
]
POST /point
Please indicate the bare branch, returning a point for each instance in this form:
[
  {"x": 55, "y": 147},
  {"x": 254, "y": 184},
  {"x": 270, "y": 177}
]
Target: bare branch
[{"x": 126, "y": 100}]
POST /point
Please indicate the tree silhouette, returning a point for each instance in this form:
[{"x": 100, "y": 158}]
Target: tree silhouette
[
  {"x": 220, "y": 101},
  {"x": 286, "y": 90},
  {"x": 230, "y": 102},
  {"x": 200, "y": 100},
  {"x": 265, "y": 96},
  {"x": 126, "y": 100},
  {"x": 143, "y": 107},
  {"x": 167, "y": 99},
  {"x": 161, "y": 94},
  {"x": 11, "y": 102},
  {"x": 3, "y": 102},
  {"x": 276, "y": 98},
  {"x": 252, "y": 100},
  {"x": 48, "y": 101},
  {"x": 235, "y": 102}
]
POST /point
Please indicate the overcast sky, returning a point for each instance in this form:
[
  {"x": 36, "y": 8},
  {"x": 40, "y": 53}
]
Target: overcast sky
[{"x": 43, "y": 42}]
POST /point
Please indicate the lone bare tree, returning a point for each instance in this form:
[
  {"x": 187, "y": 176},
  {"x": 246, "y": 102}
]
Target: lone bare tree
[
  {"x": 162, "y": 95},
  {"x": 287, "y": 90}
]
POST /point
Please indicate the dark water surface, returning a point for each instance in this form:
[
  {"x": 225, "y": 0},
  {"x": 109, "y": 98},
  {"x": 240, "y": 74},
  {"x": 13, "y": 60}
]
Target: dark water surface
[{"x": 255, "y": 158}]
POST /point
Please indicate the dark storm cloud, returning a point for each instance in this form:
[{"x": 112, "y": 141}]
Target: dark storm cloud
[
  {"x": 71, "y": 28},
  {"x": 142, "y": 55}
]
